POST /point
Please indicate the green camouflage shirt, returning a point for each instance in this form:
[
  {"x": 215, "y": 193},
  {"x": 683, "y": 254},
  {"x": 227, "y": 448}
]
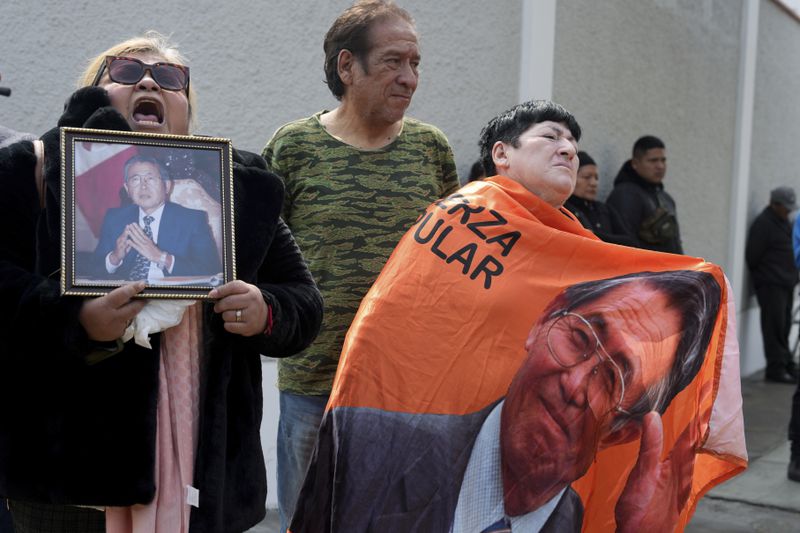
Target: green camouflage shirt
[{"x": 347, "y": 209}]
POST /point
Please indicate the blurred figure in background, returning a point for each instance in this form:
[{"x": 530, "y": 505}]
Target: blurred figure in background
[
  {"x": 771, "y": 263},
  {"x": 596, "y": 216},
  {"x": 640, "y": 199}
]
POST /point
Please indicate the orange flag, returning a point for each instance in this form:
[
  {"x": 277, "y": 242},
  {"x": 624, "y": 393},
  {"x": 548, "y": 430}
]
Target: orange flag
[{"x": 507, "y": 367}]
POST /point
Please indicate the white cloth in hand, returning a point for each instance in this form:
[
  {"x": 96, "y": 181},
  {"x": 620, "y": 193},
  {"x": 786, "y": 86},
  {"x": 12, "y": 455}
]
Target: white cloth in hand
[{"x": 155, "y": 316}]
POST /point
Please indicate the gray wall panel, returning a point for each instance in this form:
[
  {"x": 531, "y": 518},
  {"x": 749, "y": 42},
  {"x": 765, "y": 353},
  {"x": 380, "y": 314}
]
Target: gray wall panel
[
  {"x": 776, "y": 113},
  {"x": 663, "y": 67}
]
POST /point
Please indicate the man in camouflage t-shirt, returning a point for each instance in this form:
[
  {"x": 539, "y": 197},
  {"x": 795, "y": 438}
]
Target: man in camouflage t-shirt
[{"x": 356, "y": 179}]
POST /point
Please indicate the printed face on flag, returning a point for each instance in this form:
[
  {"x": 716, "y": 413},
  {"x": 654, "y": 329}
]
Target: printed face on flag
[
  {"x": 584, "y": 368},
  {"x": 146, "y": 187}
]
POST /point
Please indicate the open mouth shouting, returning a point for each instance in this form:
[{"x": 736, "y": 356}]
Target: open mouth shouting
[{"x": 148, "y": 113}]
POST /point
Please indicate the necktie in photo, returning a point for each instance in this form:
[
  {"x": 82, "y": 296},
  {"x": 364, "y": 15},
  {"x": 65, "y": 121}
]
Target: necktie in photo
[
  {"x": 141, "y": 264},
  {"x": 501, "y": 526}
]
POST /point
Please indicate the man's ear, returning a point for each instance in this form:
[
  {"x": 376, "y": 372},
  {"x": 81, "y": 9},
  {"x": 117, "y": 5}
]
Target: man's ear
[
  {"x": 500, "y": 156},
  {"x": 635, "y": 164},
  {"x": 127, "y": 191},
  {"x": 344, "y": 66},
  {"x": 168, "y": 187},
  {"x": 632, "y": 430}
]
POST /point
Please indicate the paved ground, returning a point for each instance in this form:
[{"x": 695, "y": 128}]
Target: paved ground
[{"x": 761, "y": 499}]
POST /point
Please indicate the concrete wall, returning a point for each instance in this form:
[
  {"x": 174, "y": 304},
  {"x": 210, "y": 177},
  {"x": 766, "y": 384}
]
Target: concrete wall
[
  {"x": 776, "y": 128},
  {"x": 257, "y": 65},
  {"x": 664, "y": 67},
  {"x": 776, "y": 113}
]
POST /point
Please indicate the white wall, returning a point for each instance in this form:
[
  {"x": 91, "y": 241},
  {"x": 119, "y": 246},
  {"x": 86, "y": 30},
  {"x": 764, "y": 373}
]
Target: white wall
[{"x": 776, "y": 114}]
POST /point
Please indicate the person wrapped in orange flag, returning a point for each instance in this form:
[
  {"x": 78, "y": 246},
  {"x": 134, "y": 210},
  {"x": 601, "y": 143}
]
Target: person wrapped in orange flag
[{"x": 509, "y": 371}]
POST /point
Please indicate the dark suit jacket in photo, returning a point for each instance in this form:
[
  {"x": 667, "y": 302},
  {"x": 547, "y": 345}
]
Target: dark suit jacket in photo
[
  {"x": 393, "y": 472},
  {"x": 182, "y": 232}
]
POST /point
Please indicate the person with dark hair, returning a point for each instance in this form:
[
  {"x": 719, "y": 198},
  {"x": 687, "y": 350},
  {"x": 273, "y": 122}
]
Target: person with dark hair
[
  {"x": 599, "y": 218},
  {"x": 411, "y": 439},
  {"x": 373, "y": 170},
  {"x": 769, "y": 257},
  {"x": 154, "y": 238},
  {"x": 476, "y": 172},
  {"x": 534, "y": 143},
  {"x": 509, "y": 130},
  {"x": 639, "y": 197}
]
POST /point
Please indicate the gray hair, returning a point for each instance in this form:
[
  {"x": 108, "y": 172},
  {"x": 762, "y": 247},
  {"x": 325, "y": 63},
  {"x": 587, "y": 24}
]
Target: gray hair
[
  {"x": 693, "y": 294},
  {"x": 162, "y": 169}
]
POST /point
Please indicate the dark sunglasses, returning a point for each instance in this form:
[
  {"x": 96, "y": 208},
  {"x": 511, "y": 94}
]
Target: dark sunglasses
[{"x": 129, "y": 70}]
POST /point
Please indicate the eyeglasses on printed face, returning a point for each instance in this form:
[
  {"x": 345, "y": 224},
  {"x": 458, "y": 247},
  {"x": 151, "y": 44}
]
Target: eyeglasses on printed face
[
  {"x": 571, "y": 341},
  {"x": 129, "y": 70},
  {"x": 148, "y": 179}
]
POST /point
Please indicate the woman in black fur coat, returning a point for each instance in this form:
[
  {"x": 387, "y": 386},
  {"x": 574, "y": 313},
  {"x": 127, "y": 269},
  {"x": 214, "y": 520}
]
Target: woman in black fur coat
[{"x": 111, "y": 434}]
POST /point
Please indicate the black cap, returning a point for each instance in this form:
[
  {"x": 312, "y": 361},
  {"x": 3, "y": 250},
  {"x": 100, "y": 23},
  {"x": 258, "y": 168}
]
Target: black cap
[{"x": 585, "y": 159}]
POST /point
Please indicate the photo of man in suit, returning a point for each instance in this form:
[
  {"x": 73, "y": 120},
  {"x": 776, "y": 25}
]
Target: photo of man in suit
[
  {"x": 153, "y": 238},
  {"x": 603, "y": 365}
]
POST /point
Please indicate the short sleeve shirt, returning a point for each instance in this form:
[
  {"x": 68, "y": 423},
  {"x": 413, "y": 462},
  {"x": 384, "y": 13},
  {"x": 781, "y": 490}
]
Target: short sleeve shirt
[{"x": 347, "y": 209}]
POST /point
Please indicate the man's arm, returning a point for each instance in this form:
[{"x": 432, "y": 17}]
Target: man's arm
[{"x": 185, "y": 246}]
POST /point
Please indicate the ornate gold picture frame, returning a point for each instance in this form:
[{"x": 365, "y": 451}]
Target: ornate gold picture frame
[{"x": 147, "y": 207}]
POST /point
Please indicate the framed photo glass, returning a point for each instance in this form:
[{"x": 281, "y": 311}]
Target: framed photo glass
[{"x": 147, "y": 207}]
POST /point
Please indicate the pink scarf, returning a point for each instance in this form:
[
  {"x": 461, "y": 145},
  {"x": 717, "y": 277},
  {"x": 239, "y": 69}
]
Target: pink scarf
[{"x": 176, "y": 435}]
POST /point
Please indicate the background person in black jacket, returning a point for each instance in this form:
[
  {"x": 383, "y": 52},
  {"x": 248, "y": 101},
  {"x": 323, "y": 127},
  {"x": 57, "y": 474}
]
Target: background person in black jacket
[
  {"x": 639, "y": 197},
  {"x": 771, "y": 262},
  {"x": 601, "y": 219}
]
